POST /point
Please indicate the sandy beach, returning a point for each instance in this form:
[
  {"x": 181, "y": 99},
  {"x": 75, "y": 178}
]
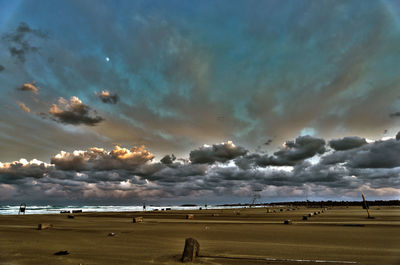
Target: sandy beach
[{"x": 339, "y": 235}]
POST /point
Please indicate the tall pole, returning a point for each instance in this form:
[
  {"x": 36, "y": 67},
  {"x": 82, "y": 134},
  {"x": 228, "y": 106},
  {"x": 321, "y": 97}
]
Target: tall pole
[{"x": 365, "y": 205}]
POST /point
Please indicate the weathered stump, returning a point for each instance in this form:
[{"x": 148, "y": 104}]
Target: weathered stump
[
  {"x": 137, "y": 219},
  {"x": 191, "y": 250},
  {"x": 44, "y": 226}
]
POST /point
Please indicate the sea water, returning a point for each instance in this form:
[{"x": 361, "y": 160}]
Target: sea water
[{"x": 50, "y": 209}]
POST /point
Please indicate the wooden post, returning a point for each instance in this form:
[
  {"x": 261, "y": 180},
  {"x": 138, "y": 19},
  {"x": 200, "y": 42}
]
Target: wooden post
[
  {"x": 191, "y": 250},
  {"x": 366, "y": 206}
]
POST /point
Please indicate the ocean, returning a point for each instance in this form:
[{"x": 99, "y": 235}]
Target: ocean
[{"x": 50, "y": 209}]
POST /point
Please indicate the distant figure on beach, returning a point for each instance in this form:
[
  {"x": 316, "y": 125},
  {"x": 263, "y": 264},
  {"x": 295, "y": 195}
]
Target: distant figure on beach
[
  {"x": 144, "y": 207},
  {"x": 22, "y": 208}
]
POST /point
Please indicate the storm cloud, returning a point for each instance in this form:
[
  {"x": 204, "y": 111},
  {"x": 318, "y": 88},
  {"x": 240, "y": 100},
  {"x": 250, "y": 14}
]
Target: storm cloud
[
  {"x": 347, "y": 143},
  {"x": 74, "y": 112},
  {"x": 216, "y": 153},
  {"x": 100, "y": 159},
  {"x": 98, "y": 173},
  {"x": 21, "y": 41}
]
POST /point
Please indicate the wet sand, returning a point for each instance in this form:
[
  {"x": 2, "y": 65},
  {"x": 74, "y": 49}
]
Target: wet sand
[{"x": 241, "y": 236}]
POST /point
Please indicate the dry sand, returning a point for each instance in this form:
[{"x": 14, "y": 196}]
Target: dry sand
[{"x": 339, "y": 234}]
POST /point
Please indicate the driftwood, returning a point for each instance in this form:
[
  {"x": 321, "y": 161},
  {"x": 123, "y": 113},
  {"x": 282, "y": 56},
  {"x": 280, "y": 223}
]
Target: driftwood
[
  {"x": 137, "y": 219},
  {"x": 76, "y": 211},
  {"x": 44, "y": 226},
  {"x": 65, "y": 211},
  {"x": 62, "y": 252},
  {"x": 191, "y": 250}
]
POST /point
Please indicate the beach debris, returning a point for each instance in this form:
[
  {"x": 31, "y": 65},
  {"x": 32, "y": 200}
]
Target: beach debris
[
  {"x": 65, "y": 211},
  {"x": 310, "y": 215},
  {"x": 315, "y": 213},
  {"x": 281, "y": 209},
  {"x": 61, "y": 253},
  {"x": 190, "y": 216},
  {"x": 22, "y": 208},
  {"x": 236, "y": 212},
  {"x": 76, "y": 211},
  {"x": 138, "y": 219},
  {"x": 71, "y": 216},
  {"x": 191, "y": 250},
  {"x": 287, "y": 222},
  {"x": 268, "y": 210},
  {"x": 111, "y": 234},
  {"x": 215, "y": 214},
  {"x": 168, "y": 209},
  {"x": 44, "y": 226},
  {"x": 305, "y": 217}
]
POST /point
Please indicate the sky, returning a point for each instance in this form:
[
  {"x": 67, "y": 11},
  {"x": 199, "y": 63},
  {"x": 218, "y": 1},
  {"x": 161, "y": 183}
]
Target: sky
[{"x": 124, "y": 102}]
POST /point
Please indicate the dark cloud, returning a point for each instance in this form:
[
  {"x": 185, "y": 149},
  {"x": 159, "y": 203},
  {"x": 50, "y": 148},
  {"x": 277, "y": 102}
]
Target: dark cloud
[
  {"x": 74, "y": 112},
  {"x": 14, "y": 171},
  {"x": 100, "y": 159},
  {"x": 29, "y": 87},
  {"x": 20, "y": 41},
  {"x": 216, "y": 153},
  {"x": 301, "y": 148},
  {"x": 107, "y": 97},
  {"x": 168, "y": 159},
  {"x": 2, "y": 68},
  {"x": 347, "y": 143},
  {"x": 120, "y": 173},
  {"x": 395, "y": 114},
  {"x": 398, "y": 136},
  {"x": 380, "y": 154}
]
